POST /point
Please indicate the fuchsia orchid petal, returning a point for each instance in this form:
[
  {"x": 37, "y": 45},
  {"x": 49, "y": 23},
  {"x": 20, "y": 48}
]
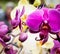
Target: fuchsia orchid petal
[
  {"x": 56, "y": 47},
  {"x": 58, "y": 9},
  {"x": 45, "y": 16},
  {"x": 15, "y": 23},
  {"x": 54, "y": 20},
  {"x": 16, "y": 15},
  {"x": 57, "y": 6},
  {"x": 34, "y": 20},
  {"x": 23, "y": 10}
]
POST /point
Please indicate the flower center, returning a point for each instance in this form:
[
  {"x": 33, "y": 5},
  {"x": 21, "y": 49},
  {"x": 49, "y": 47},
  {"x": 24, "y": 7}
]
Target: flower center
[
  {"x": 45, "y": 26},
  {"x": 57, "y": 51}
]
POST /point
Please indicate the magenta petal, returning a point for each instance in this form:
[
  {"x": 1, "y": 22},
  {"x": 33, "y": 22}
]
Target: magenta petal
[
  {"x": 15, "y": 23},
  {"x": 54, "y": 20},
  {"x": 45, "y": 16},
  {"x": 22, "y": 12},
  {"x": 56, "y": 43},
  {"x": 34, "y": 20},
  {"x": 56, "y": 46},
  {"x": 57, "y": 6},
  {"x": 58, "y": 9},
  {"x": 16, "y": 13}
]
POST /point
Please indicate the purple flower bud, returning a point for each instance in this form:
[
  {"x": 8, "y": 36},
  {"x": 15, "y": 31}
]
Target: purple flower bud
[
  {"x": 23, "y": 37},
  {"x": 3, "y": 29}
]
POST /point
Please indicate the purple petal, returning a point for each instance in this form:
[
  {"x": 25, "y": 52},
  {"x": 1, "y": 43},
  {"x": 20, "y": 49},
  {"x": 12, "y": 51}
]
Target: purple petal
[
  {"x": 45, "y": 16},
  {"x": 34, "y": 20},
  {"x": 22, "y": 12},
  {"x": 54, "y": 20},
  {"x": 15, "y": 23},
  {"x": 57, "y": 6},
  {"x": 56, "y": 43},
  {"x": 56, "y": 46},
  {"x": 58, "y": 9},
  {"x": 16, "y": 13},
  {"x": 31, "y": 31}
]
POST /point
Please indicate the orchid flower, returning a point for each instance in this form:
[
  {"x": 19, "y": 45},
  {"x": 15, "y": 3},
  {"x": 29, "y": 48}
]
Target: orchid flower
[
  {"x": 44, "y": 21},
  {"x": 56, "y": 48},
  {"x": 28, "y": 9}
]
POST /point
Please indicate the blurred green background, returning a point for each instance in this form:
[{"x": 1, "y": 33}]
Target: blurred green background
[{"x": 3, "y": 2}]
